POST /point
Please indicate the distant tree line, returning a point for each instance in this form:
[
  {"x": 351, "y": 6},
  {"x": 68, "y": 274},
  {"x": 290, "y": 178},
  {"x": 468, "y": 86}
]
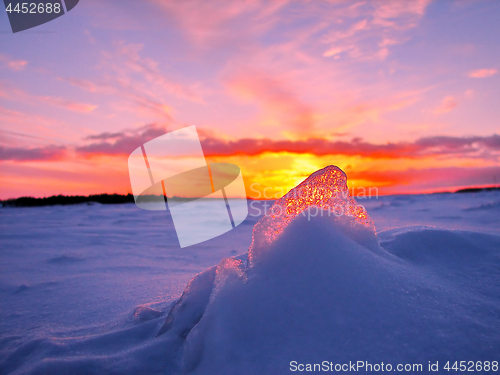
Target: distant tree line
[
  {"x": 477, "y": 190},
  {"x": 68, "y": 199},
  {"x": 129, "y": 198}
]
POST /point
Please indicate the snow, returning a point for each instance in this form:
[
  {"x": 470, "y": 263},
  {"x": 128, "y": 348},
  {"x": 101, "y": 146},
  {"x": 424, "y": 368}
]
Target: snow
[{"x": 100, "y": 289}]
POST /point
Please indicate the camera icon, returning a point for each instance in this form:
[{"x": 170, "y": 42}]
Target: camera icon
[{"x": 205, "y": 200}]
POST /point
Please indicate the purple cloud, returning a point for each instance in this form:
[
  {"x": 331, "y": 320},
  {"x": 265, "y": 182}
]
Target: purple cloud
[{"x": 32, "y": 154}]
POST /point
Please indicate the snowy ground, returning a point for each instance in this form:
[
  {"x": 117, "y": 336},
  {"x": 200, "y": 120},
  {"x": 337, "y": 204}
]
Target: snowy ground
[{"x": 85, "y": 288}]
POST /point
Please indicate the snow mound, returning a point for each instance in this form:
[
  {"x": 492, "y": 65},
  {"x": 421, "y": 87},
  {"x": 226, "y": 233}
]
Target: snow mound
[
  {"x": 323, "y": 288},
  {"x": 312, "y": 288},
  {"x": 323, "y": 193},
  {"x": 319, "y": 296}
]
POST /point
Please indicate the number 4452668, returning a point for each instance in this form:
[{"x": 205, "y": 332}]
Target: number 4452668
[{"x": 34, "y": 8}]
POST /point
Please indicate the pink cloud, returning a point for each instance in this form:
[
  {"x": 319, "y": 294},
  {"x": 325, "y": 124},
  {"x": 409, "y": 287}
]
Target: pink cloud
[
  {"x": 483, "y": 73},
  {"x": 395, "y": 9},
  {"x": 135, "y": 98},
  {"x": 135, "y": 63},
  {"x": 342, "y": 25},
  {"x": 15, "y": 65},
  {"x": 210, "y": 22},
  {"x": 48, "y": 153},
  {"x": 87, "y": 85},
  {"x": 382, "y": 20},
  {"x": 277, "y": 99},
  {"x": 31, "y": 125},
  {"x": 447, "y": 105},
  {"x": 137, "y": 83},
  {"x": 67, "y": 104},
  {"x": 20, "y": 95}
]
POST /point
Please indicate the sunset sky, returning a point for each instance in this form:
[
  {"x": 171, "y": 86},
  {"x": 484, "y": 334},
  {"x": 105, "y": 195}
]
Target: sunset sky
[{"x": 402, "y": 95}]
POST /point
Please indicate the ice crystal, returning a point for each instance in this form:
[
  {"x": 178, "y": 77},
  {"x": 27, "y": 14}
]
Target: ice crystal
[{"x": 325, "y": 192}]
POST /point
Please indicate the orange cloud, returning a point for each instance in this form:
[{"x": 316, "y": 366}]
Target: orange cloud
[
  {"x": 483, "y": 73},
  {"x": 426, "y": 164},
  {"x": 488, "y": 147},
  {"x": 122, "y": 143}
]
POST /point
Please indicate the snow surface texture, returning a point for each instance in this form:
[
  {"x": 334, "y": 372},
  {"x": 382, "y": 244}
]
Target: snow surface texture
[{"x": 322, "y": 288}]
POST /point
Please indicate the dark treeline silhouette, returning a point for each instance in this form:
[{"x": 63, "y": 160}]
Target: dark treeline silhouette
[
  {"x": 68, "y": 199},
  {"x": 129, "y": 198},
  {"x": 477, "y": 190}
]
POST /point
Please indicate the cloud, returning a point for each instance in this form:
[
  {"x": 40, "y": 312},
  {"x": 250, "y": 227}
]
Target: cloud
[
  {"x": 438, "y": 145},
  {"x": 316, "y": 146},
  {"x": 135, "y": 97},
  {"x": 278, "y": 100},
  {"x": 210, "y": 22},
  {"x": 137, "y": 83},
  {"x": 106, "y": 136},
  {"x": 344, "y": 26},
  {"x": 483, "y": 73},
  {"x": 447, "y": 105},
  {"x": 361, "y": 25},
  {"x": 15, "y": 65},
  {"x": 20, "y": 95},
  {"x": 48, "y": 153},
  {"x": 121, "y": 143},
  {"x": 453, "y": 145},
  {"x": 89, "y": 86},
  {"x": 69, "y": 105},
  {"x": 131, "y": 59},
  {"x": 34, "y": 125},
  {"x": 391, "y": 9}
]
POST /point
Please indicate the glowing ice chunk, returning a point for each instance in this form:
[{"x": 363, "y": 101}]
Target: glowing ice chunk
[{"x": 325, "y": 190}]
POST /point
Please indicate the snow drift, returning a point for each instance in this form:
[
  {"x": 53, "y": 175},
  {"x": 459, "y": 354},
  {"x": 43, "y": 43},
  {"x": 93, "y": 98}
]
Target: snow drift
[
  {"x": 312, "y": 288},
  {"x": 321, "y": 287}
]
